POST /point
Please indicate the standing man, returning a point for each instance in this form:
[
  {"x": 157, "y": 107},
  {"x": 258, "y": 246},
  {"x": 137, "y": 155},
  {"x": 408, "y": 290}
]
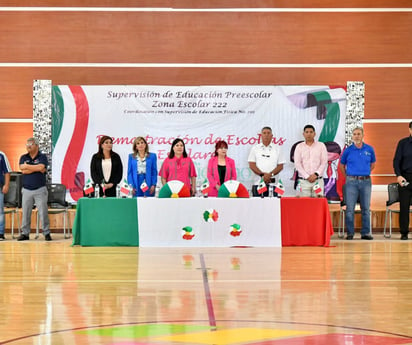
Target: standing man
[
  {"x": 265, "y": 160},
  {"x": 34, "y": 166},
  {"x": 357, "y": 162},
  {"x": 402, "y": 164},
  {"x": 311, "y": 159},
  {"x": 4, "y": 188}
]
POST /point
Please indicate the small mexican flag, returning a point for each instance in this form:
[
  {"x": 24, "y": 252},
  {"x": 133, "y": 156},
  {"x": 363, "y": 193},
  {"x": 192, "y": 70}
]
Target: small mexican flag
[
  {"x": 279, "y": 187},
  {"x": 205, "y": 187},
  {"x": 124, "y": 188},
  {"x": 262, "y": 186},
  {"x": 88, "y": 187},
  {"x": 144, "y": 187},
  {"x": 317, "y": 188}
]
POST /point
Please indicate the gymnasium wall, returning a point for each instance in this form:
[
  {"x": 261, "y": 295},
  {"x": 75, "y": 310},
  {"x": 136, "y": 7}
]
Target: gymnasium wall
[{"x": 192, "y": 42}]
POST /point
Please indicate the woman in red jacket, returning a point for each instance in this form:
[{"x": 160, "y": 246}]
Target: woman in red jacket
[{"x": 220, "y": 168}]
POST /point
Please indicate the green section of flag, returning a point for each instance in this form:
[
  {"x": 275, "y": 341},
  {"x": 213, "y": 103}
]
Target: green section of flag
[
  {"x": 57, "y": 114},
  {"x": 321, "y": 96},
  {"x": 142, "y": 331},
  {"x": 330, "y": 127}
]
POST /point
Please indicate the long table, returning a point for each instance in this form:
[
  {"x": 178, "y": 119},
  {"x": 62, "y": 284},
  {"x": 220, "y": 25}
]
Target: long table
[{"x": 164, "y": 222}]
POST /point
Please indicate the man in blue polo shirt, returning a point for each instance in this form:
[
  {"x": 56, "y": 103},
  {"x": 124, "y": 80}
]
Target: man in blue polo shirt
[
  {"x": 33, "y": 165},
  {"x": 4, "y": 188},
  {"x": 357, "y": 162}
]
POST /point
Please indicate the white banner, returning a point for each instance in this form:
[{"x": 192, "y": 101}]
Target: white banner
[{"x": 199, "y": 115}]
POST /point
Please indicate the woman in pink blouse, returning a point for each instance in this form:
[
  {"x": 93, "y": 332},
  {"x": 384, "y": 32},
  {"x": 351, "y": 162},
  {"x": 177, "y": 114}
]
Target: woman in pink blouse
[
  {"x": 178, "y": 166},
  {"x": 220, "y": 168}
]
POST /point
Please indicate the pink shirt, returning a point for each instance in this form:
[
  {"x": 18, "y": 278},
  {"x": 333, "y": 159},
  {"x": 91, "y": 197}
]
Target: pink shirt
[
  {"x": 213, "y": 173},
  {"x": 181, "y": 169},
  {"x": 310, "y": 159}
]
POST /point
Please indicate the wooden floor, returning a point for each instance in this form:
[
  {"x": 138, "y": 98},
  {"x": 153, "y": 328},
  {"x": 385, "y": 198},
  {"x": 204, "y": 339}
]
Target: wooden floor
[{"x": 354, "y": 292}]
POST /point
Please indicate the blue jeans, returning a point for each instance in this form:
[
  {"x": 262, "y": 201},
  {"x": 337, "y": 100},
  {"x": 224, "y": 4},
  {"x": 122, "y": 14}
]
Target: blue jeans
[
  {"x": 358, "y": 189},
  {"x": 1, "y": 213}
]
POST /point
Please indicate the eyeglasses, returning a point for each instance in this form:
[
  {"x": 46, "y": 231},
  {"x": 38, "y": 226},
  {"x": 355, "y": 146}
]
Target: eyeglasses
[
  {"x": 29, "y": 145},
  {"x": 266, "y": 156}
]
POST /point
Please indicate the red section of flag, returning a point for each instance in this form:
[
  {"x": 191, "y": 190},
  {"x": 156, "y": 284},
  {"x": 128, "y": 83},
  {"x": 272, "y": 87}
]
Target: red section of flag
[{"x": 75, "y": 147}]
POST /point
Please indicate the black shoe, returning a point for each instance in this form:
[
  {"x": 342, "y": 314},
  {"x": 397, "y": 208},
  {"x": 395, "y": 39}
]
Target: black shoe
[
  {"x": 367, "y": 237},
  {"x": 47, "y": 237},
  {"x": 404, "y": 237},
  {"x": 23, "y": 237},
  {"x": 349, "y": 237},
  {"x": 2, "y": 238}
]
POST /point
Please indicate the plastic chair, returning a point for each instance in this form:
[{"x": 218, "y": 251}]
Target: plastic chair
[
  {"x": 393, "y": 198},
  {"x": 57, "y": 204},
  {"x": 341, "y": 226},
  {"x": 12, "y": 202}
]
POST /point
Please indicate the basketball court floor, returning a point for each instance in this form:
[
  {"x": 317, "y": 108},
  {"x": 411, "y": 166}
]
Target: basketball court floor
[{"x": 351, "y": 293}]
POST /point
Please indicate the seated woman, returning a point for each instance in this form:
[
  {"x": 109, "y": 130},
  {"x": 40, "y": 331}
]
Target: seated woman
[
  {"x": 142, "y": 168},
  {"x": 220, "y": 168},
  {"x": 106, "y": 167},
  {"x": 178, "y": 166}
]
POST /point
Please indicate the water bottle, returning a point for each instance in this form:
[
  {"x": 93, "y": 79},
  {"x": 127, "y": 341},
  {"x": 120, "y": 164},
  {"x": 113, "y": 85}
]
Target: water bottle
[
  {"x": 270, "y": 190},
  {"x": 96, "y": 191},
  {"x": 130, "y": 194},
  {"x": 118, "y": 191},
  {"x": 298, "y": 189}
]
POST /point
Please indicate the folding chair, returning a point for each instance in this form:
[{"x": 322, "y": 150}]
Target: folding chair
[
  {"x": 11, "y": 207},
  {"x": 341, "y": 226},
  {"x": 12, "y": 200},
  {"x": 57, "y": 204},
  {"x": 393, "y": 198}
]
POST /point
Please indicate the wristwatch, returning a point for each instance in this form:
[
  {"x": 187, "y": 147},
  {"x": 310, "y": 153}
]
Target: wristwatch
[{"x": 317, "y": 175}]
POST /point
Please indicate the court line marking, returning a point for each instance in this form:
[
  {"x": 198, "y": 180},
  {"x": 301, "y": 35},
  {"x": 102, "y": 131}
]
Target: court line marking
[
  {"x": 208, "y": 295},
  {"x": 243, "y": 281},
  {"x": 195, "y": 321}
]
